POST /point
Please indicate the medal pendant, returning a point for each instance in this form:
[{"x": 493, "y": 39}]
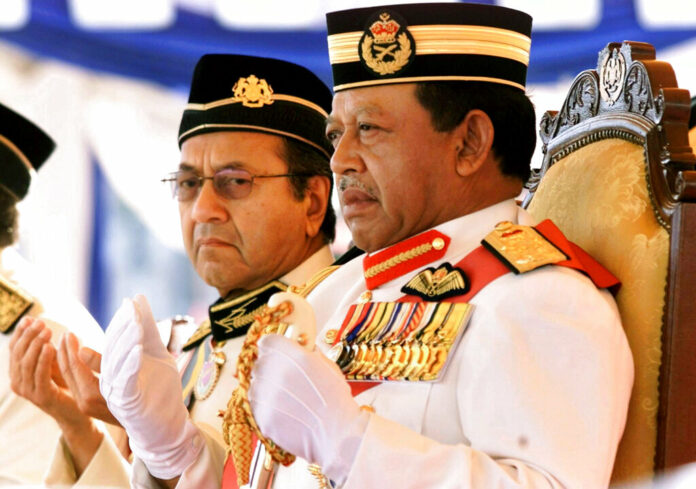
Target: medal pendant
[{"x": 209, "y": 375}]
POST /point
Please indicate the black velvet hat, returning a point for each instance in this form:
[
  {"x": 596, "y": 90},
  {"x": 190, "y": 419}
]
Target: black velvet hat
[
  {"x": 23, "y": 147},
  {"x": 428, "y": 42},
  {"x": 232, "y": 92}
]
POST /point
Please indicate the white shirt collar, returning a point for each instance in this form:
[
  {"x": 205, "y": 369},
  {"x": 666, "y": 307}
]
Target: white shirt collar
[
  {"x": 306, "y": 270},
  {"x": 468, "y": 231}
]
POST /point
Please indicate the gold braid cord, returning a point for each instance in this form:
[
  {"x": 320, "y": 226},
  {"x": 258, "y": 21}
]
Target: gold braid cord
[
  {"x": 395, "y": 260},
  {"x": 238, "y": 423}
]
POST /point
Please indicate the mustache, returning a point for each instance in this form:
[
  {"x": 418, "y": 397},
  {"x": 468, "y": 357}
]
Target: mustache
[
  {"x": 346, "y": 181},
  {"x": 205, "y": 230}
]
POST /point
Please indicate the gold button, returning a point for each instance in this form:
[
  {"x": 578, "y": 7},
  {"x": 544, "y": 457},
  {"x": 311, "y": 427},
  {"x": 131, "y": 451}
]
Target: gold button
[
  {"x": 438, "y": 243},
  {"x": 303, "y": 339},
  {"x": 330, "y": 336},
  {"x": 367, "y": 408},
  {"x": 219, "y": 358},
  {"x": 365, "y": 297}
]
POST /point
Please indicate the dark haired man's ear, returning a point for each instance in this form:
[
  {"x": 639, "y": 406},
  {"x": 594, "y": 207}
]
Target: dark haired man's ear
[
  {"x": 316, "y": 200},
  {"x": 474, "y": 140}
]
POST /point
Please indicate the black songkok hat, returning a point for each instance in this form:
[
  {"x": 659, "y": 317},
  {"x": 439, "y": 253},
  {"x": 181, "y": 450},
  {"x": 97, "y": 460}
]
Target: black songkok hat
[
  {"x": 428, "y": 42},
  {"x": 23, "y": 147},
  {"x": 231, "y": 92}
]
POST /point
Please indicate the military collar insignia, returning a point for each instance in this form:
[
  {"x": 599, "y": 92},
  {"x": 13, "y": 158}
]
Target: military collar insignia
[
  {"x": 14, "y": 303},
  {"x": 522, "y": 248},
  {"x": 232, "y": 318},
  {"x": 252, "y": 92},
  {"x": 404, "y": 257},
  {"x": 438, "y": 284},
  {"x": 229, "y": 319},
  {"x": 386, "y": 47}
]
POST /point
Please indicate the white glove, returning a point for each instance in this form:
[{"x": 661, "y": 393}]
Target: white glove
[
  {"x": 141, "y": 385},
  {"x": 302, "y": 402}
]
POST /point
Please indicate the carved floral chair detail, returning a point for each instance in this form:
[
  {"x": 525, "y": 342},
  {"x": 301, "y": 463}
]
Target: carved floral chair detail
[{"x": 619, "y": 178}]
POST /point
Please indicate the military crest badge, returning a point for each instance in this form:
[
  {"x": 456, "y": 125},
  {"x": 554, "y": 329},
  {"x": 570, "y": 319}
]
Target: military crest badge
[
  {"x": 386, "y": 47},
  {"x": 437, "y": 284},
  {"x": 252, "y": 92}
]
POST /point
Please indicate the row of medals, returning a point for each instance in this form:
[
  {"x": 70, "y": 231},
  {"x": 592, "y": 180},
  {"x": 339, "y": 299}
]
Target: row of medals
[{"x": 389, "y": 349}]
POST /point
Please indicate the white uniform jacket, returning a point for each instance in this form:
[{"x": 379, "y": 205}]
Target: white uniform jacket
[
  {"x": 204, "y": 414},
  {"x": 535, "y": 396},
  {"x": 27, "y": 435}
]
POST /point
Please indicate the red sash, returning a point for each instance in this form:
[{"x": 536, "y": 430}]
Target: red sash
[
  {"x": 482, "y": 267},
  {"x": 229, "y": 473}
]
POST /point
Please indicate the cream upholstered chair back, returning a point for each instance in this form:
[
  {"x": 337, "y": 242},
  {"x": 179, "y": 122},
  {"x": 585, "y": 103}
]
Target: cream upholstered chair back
[{"x": 618, "y": 179}]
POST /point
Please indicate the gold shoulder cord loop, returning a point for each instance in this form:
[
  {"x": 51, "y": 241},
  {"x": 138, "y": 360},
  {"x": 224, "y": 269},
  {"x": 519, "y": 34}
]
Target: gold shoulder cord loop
[{"x": 238, "y": 424}]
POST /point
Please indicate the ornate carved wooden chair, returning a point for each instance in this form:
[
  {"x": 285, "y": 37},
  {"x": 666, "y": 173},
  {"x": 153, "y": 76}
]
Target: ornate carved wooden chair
[{"x": 619, "y": 178}]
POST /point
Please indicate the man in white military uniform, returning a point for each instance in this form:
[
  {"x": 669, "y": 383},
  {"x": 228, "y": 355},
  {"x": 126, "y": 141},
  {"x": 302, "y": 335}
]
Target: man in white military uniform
[
  {"x": 253, "y": 187},
  {"x": 463, "y": 374},
  {"x": 27, "y": 432}
]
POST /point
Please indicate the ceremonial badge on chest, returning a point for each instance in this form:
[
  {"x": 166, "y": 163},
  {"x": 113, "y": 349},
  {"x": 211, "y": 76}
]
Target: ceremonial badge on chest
[
  {"x": 14, "y": 303},
  {"x": 409, "y": 341},
  {"x": 437, "y": 284},
  {"x": 210, "y": 370},
  {"x": 386, "y": 47}
]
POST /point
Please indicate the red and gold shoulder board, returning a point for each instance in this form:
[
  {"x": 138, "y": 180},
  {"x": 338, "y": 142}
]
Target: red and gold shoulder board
[
  {"x": 521, "y": 248},
  {"x": 526, "y": 248}
]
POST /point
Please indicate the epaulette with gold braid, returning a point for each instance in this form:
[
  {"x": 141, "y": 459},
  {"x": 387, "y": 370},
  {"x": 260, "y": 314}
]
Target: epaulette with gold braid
[
  {"x": 14, "y": 303},
  {"x": 522, "y": 248}
]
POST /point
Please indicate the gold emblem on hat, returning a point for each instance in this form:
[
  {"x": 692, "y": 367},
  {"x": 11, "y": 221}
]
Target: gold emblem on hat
[
  {"x": 252, "y": 92},
  {"x": 386, "y": 47}
]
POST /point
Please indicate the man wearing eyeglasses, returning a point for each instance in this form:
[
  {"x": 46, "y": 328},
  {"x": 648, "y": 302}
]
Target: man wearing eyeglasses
[{"x": 253, "y": 188}]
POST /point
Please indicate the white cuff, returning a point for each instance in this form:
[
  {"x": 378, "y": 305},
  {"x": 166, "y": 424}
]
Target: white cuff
[{"x": 107, "y": 467}]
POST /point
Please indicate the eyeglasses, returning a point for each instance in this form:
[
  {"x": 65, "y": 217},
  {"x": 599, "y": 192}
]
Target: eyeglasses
[{"x": 229, "y": 183}]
